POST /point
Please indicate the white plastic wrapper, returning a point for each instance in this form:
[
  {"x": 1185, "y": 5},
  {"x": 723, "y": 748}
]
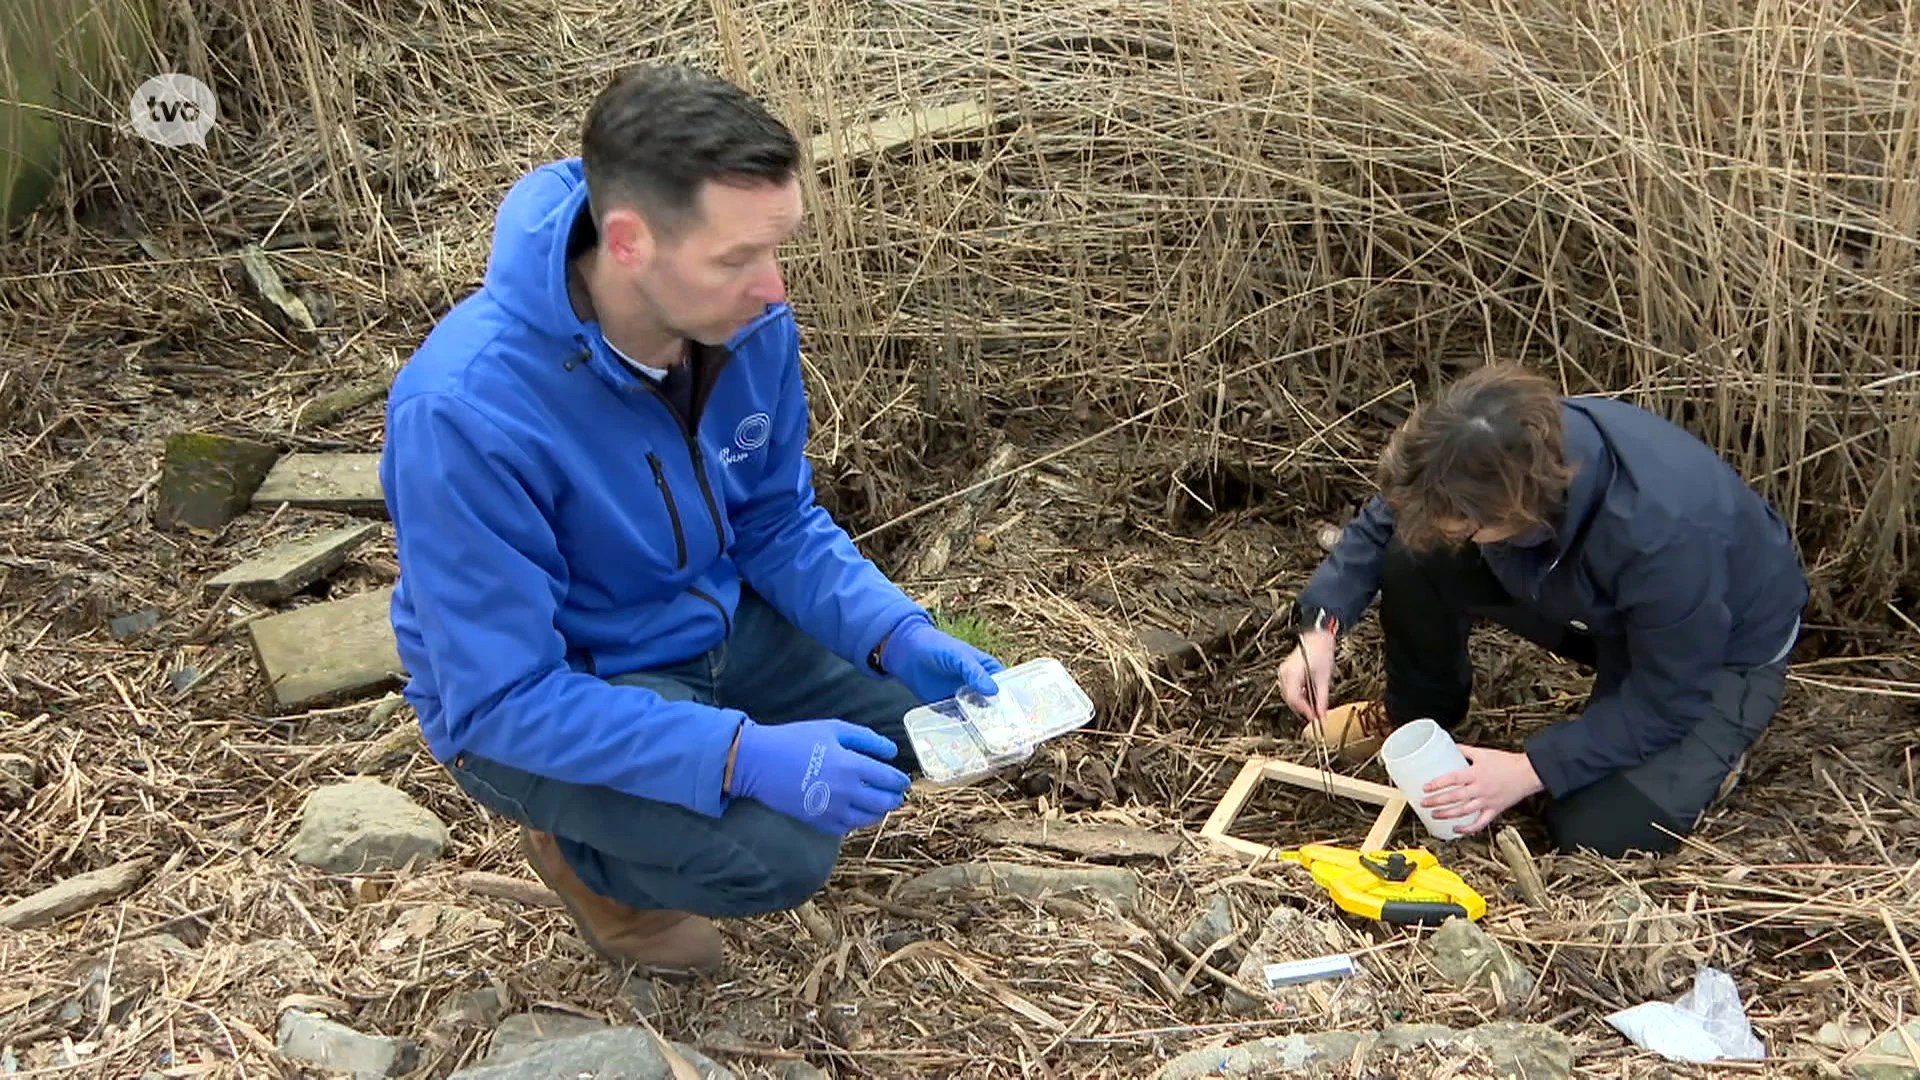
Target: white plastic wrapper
[{"x": 1707, "y": 1023}]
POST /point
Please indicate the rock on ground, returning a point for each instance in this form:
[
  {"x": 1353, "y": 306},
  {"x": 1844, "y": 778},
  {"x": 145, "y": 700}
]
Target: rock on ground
[
  {"x": 535, "y": 1048},
  {"x": 1517, "y": 1051},
  {"x": 336, "y": 1047},
  {"x": 1469, "y": 959},
  {"x": 1206, "y": 928},
  {"x": 1288, "y": 935},
  {"x": 1887, "y": 1058},
  {"x": 800, "y": 1070},
  {"x": 19, "y": 779},
  {"x": 364, "y": 826}
]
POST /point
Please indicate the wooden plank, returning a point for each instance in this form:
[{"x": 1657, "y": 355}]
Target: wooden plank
[
  {"x": 1392, "y": 804},
  {"x": 1236, "y": 797},
  {"x": 892, "y": 132},
  {"x": 1091, "y": 840},
  {"x": 1383, "y": 826},
  {"x": 330, "y": 650},
  {"x": 345, "y": 482},
  {"x": 1347, "y": 787},
  {"x": 74, "y": 895},
  {"x": 287, "y": 568}
]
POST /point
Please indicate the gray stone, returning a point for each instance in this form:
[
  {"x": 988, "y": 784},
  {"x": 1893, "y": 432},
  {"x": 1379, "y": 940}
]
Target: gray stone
[
  {"x": 1469, "y": 959},
  {"x": 1269, "y": 1056},
  {"x": 1210, "y": 925},
  {"x": 1121, "y": 886},
  {"x": 800, "y": 1070},
  {"x": 1415, "y": 1036},
  {"x": 520, "y": 1034},
  {"x": 475, "y": 1008},
  {"x": 19, "y": 779},
  {"x": 1524, "y": 1051},
  {"x": 1289, "y": 934},
  {"x": 1517, "y": 1051},
  {"x": 336, "y": 1047},
  {"x": 608, "y": 1053},
  {"x": 1206, "y": 928},
  {"x": 364, "y": 826},
  {"x": 133, "y": 625},
  {"x": 1888, "y": 1058}
]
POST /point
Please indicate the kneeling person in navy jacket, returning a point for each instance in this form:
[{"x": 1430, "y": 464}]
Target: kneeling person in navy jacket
[
  {"x": 1597, "y": 530},
  {"x": 626, "y": 623}
]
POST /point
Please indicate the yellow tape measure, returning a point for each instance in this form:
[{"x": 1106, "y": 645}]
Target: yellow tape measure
[{"x": 1405, "y": 887}]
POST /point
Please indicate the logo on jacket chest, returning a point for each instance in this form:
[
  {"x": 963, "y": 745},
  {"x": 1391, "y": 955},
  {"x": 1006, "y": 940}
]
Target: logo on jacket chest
[{"x": 751, "y": 434}]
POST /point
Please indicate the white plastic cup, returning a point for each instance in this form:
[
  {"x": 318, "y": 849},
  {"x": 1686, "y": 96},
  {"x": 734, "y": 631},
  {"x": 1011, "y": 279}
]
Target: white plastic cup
[{"x": 1415, "y": 754}]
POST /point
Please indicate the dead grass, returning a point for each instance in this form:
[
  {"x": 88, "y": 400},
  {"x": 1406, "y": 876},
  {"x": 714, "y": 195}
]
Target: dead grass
[{"x": 1205, "y": 260}]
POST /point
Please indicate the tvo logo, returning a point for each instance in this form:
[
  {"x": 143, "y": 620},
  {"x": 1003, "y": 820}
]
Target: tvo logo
[{"x": 172, "y": 110}]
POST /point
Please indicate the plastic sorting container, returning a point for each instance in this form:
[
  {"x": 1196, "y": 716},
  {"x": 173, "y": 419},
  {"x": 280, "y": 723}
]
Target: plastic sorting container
[
  {"x": 962, "y": 739},
  {"x": 1416, "y": 753}
]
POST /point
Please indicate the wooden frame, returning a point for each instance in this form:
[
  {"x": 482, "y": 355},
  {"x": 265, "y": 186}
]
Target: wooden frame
[{"x": 1391, "y": 803}]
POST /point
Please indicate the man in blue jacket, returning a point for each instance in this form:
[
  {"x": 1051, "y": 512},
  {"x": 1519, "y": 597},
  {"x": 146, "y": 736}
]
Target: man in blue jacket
[
  {"x": 1599, "y": 531},
  {"x": 626, "y": 622}
]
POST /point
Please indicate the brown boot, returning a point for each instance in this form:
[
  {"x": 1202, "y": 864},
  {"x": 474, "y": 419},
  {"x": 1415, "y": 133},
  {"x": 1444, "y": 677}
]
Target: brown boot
[
  {"x": 1352, "y": 732},
  {"x": 661, "y": 941}
]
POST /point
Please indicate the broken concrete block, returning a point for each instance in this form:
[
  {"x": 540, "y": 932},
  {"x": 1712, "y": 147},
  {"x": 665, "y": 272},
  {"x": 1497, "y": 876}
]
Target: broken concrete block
[
  {"x": 206, "y": 480},
  {"x": 336, "y": 1047},
  {"x": 364, "y": 826},
  {"x": 285, "y": 569}
]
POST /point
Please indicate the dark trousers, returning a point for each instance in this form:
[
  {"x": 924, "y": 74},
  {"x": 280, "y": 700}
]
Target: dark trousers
[
  {"x": 748, "y": 861},
  {"x": 1428, "y": 606}
]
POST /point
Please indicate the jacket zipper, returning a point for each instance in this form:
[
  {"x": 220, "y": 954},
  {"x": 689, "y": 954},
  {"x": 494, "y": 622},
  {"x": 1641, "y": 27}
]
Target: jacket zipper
[
  {"x": 673, "y": 510},
  {"x": 706, "y": 489}
]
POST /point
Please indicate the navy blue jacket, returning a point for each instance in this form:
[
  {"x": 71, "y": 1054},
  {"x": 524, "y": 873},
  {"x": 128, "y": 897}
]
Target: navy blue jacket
[{"x": 1668, "y": 558}]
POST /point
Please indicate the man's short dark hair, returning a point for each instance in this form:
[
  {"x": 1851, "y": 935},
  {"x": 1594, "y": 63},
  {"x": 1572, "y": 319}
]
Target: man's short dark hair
[
  {"x": 1486, "y": 452},
  {"x": 655, "y": 136}
]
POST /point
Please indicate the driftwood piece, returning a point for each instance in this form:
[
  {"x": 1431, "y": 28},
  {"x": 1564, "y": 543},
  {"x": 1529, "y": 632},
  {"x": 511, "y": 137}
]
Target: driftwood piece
[
  {"x": 956, "y": 525},
  {"x": 267, "y": 284},
  {"x": 74, "y": 895},
  {"x": 501, "y": 887},
  {"x": 334, "y": 404},
  {"x": 1089, "y": 840},
  {"x": 1526, "y": 874},
  {"x": 892, "y": 132}
]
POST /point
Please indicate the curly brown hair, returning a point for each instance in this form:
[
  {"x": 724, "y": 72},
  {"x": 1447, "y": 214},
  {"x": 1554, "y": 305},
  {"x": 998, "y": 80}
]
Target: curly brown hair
[{"x": 1485, "y": 453}]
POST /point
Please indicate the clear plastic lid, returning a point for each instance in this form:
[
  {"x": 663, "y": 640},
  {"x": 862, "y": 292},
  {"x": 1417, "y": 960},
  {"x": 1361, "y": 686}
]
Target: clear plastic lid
[{"x": 962, "y": 739}]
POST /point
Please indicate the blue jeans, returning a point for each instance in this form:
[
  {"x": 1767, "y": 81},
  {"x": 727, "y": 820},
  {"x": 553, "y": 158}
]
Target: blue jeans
[{"x": 748, "y": 861}]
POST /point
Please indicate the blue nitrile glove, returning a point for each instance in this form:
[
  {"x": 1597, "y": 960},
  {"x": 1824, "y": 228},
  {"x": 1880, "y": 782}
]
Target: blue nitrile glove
[
  {"x": 820, "y": 772},
  {"x": 934, "y": 664}
]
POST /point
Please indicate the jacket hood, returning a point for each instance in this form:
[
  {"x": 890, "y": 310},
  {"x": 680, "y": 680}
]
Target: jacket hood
[
  {"x": 1593, "y": 475},
  {"x": 527, "y": 269}
]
